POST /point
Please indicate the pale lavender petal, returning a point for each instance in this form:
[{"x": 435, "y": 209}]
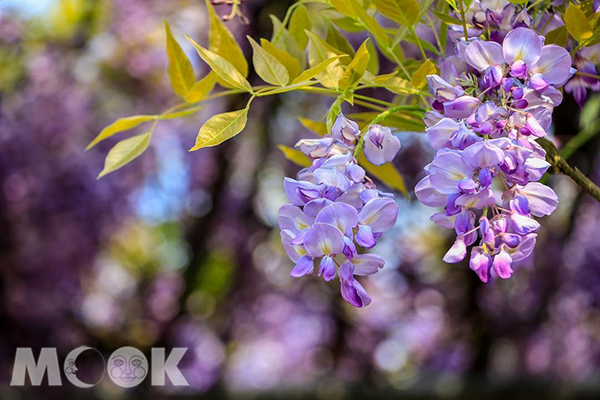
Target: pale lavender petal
[
  {"x": 341, "y": 215},
  {"x": 304, "y": 266},
  {"x": 356, "y": 173},
  {"x": 479, "y": 200},
  {"x": 441, "y": 132},
  {"x": 332, "y": 177},
  {"x": 523, "y": 225},
  {"x": 542, "y": 199},
  {"x": 294, "y": 252},
  {"x": 355, "y": 294},
  {"x": 380, "y": 146},
  {"x": 501, "y": 266},
  {"x": 554, "y": 64},
  {"x": 301, "y": 192},
  {"x": 522, "y": 44},
  {"x": 525, "y": 248},
  {"x": 461, "y": 107},
  {"x": 443, "y": 220},
  {"x": 364, "y": 237},
  {"x": 483, "y": 154},
  {"x": 327, "y": 268},
  {"x": 344, "y": 129},
  {"x": 313, "y": 207},
  {"x": 349, "y": 248},
  {"x": 447, "y": 170},
  {"x": 315, "y": 148},
  {"x": 457, "y": 252},
  {"x": 292, "y": 218},
  {"x": 480, "y": 263},
  {"x": 323, "y": 239},
  {"x": 380, "y": 214},
  {"x": 481, "y": 54},
  {"x": 428, "y": 195},
  {"x": 367, "y": 264}
]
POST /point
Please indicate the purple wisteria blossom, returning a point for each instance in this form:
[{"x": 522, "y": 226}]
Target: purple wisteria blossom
[
  {"x": 487, "y": 116},
  {"x": 335, "y": 211}
]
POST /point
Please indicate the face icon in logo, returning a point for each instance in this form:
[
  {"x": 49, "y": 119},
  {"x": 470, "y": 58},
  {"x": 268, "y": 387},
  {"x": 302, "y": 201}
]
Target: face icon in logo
[
  {"x": 71, "y": 369},
  {"x": 127, "y": 367}
]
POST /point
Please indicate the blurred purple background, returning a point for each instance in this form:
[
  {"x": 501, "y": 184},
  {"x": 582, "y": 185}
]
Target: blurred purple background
[{"x": 180, "y": 249}]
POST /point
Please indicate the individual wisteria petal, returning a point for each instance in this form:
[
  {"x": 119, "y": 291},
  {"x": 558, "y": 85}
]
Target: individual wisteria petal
[
  {"x": 523, "y": 225},
  {"x": 461, "y": 107},
  {"x": 480, "y": 263},
  {"x": 479, "y": 200},
  {"x": 356, "y": 173},
  {"x": 314, "y": 207},
  {"x": 457, "y": 252},
  {"x": 301, "y": 192},
  {"x": 483, "y": 154},
  {"x": 554, "y": 64},
  {"x": 380, "y": 214},
  {"x": 441, "y": 132},
  {"x": 315, "y": 147},
  {"x": 447, "y": 170},
  {"x": 380, "y": 145},
  {"x": 304, "y": 266},
  {"x": 294, "y": 252},
  {"x": 502, "y": 265},
  {"x": 332, "y": 177},
  {"x": 293, "y": 218},
  {"x": 365, "y": 238},
  {"x": 482, "y": 55},
  {"x": 522, "y": 44},
  {"x": 428, "y": 195},
  {"x": 367, "y": 264},
  {"x": 541, "y": 198},
  {"x": 327, "y": 268},
  {"x": 323, "y": 239},
  {"x": 443, "y": 220},
  {"x": 352, "y": 291},
  {"x": 341, "y": 215},
  {"x": 345, "y": 129}
]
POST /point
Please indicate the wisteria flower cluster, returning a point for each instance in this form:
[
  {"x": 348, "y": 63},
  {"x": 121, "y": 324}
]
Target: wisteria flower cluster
[
  {"x": 335, "y": 209},
  {"x": 491, "y": 104}
]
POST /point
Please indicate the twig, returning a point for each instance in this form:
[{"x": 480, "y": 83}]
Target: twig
[{"x": 559, "y": 164}]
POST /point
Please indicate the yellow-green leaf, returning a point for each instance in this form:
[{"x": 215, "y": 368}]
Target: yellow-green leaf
[
  {"x": 319, "y": 51},
  {"x": 267, "y": 66},
  {"x": 222, "y": 42},
  {"x": 295, "y": 156},
  {"x": 356, "y": 68},
  {"x": 419, "y": 77},
  {"x": 120, "y": 125},
  {"x": 354, "y": 9},
  {"x": 405, "y": 12},
  {"x": 299, "y": 22},
  {"x": 291, "y": 64},
  {"x": 124, "y": 152},
  {"x": 181, "y": 72},
  {"x": 386, "y": 173},
  {"x": 373, "y": 66},
  {"x": 183, "y": 113},
  {"x": 577, "y": 23},
  {"x": 317, "y": 127},
  {"x": 221, "y": 127},
  {"x": 557, "y": 36},
  {"x": 284, "y": 40},
  {"x": 316, "y": 70},
  {"x": 396, "y": 85},
  {"x": 201, "y": 88},
  {"x": 223, "y": 68},
  {"x": 335, "y": 38}
]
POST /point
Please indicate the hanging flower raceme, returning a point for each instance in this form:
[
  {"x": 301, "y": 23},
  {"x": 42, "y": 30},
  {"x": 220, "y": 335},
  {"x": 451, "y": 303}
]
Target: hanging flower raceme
[
  {"x": 490, "y": 107},
  {"x": 335, "y": 210}
]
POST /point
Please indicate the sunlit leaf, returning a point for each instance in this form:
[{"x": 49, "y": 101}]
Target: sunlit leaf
[
  {"x": 120, "y": 125},
  {"x": 181, "y": 72},
  {"x": 183, "y": 113},
  {"x": 447, "y": 18},
  {"x": 299, "y": 22},
  {"x": 267, "y": 66},
  {"x": 356, "y": 68},
  {"x": 223, "y": 68},
  {"x": 124, "y": 152},
  {"x": 419, "y": 77},
  {"x": 333, "y": 112},
  {"x": 295, "y": 156},
  {"x": 317, "y": 127},
  {"x": 316, "y": 70},
  {"x": 201, "y": 88},
  {"x": 577, "y": 23},
  {"x": 405, "y": 12},
  {"x": 397, "y": 85},
  {"x": 284, "y": 40},
  {"x": 222, "y": 42},
  {"x": 319, "y": 51},
  {"x": 337, "y": 40},
  {"x": 291, "y": 64},
  {"x": 373, "y": 66},
  {"x": 353, "y": 9},
  {"x": 221, "y": 127},
  {"x": 386, "y": 173}
]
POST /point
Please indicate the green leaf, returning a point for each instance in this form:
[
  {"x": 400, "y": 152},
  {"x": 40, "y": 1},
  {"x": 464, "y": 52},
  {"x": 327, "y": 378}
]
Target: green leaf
[
  {"x": 557, "y": 36},
  {"x": 221, "y": 127},
  {"x": 222, "y": 42},
  {"x": 453, "y": 4},
  {"x": 319, "y": 51},
  {"x": 223, "y": 68},
  {"x": 316, "y": 70},
  {"x": 181, "y": 72},
  {"x": 124, "y": 152},
  {"x": 291, "y": 64},
  {"x": 386, "y": 173},
  {"x": 396, "y": 85},
  {"x": 333, "y": 112},
  {"x": 356, "y": 68},
  {"x": 405, "y": 12},
  {"x": 320, "y": 128},
  {"x": 295, "y": 156},
  {"x": 201, "y": 88},
  {"x": 353, "y": 9},
  {"x": 299, "y": 22},
  {"x": 337, "y": 40},
  {"x": 447, "y": 18},
  {"x": 373, "y": 66},
  {"x": 284, "y": 40},
  {"x": 267, "y": 66},
  {"x": 419, "y": 77},
  {"x": 577, "y": 23},
  {"x": 182, "y": 113},
  {"x": 120, "y": 125}
]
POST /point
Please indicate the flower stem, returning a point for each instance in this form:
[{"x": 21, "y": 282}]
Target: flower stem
[
  {"x": 587, "y": 74},
  {"x": 464, "y": 20},
  {"x": 559, "y": 164}
]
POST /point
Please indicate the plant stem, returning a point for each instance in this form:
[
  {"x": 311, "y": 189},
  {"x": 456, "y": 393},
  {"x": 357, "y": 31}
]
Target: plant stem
[
  {"x": 464, "y": 20},
  {"x": 412, "y": 30},
  {"x": 587, "y": 74},
  {"x": 559, "y": 164}
]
